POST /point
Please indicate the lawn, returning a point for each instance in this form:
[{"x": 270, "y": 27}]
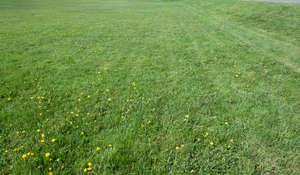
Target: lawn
[{"x": 149, "y": 87}]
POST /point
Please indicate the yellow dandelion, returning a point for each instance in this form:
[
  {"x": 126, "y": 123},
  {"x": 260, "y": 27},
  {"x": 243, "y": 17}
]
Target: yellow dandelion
[
  {"x": 177, "y": 148},
  {"x": 89, "y": 164},
  {"x": 47, "y": 154},
  {"x": 32, "y": 154},
  {"x": 24, "y": 156},
  {"x": 109, "y": 145},
  {"x": 71, "y": 123},
  {"x": 6, "y": 151},
  {"x": 78, "y": 99},
  {"x": 17, "y": 132},
  {"x": 53, "y": 140},
  {"x": 50, "y": 173},
  {"x": 89, "y": 96},
  {"x": 198, "y": 139},
  {"x": 72, "y": 112},
  {"x": 229, "y": 146},
  {"x": 57, "y": 160},
  {"x": 98, "y": 148},
  {"x": 82, "y": 133},
  {"x": 109, "y": 99},
  {"x": 38, "y": 130},
  {"x": 149, "y": 121},
  {"x": 211, "y": 143},
  {"x": 50, "y": 169},
  {"x": 85, "y": 170},
  {"x": 77, "y": 115},
  {"x": 206, "y": 134},
  {"x": 23, "y": 131},
  {"x": 8, "y": 99},
  {"x": 226, "y": 123},
  {"x": 42, "y": 141},
  {"x": 89, "y": 168},
  {"x": 42, "y": 135}
]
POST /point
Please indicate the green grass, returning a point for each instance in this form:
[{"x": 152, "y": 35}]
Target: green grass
[{"x": 232, "y": 66}]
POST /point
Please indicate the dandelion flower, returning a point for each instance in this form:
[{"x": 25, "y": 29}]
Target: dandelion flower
[
  {"x": 206, "y": 134},
  {"x": 109, "y": 99},
  {"x": 85, "y": 170},
  {"x": 50, "y": 169},
  {"x": 98, "y": 148},
  {"x": 198, "y": 139},
  {"x": 211, "y": 143},
  {"x": 226, "y": 123},
  {"x": 229, "y": 146},
  {"x": 78, "y": 99},
  {"x": 8, "y": 99},
  {"x": 47, "y": 154},
  {"x": 42, "y": 141},
  {"x": 89, "y": 168},
  {"x": 6, "y": 151},
  {"x": 110, "y": 145},
  {"x": 24, "y": 156},
  {"x": 53, "y": 140},
  {"x": 71, "y": 123},
  {"x": 57, "y": 160},
  {"x": 89, "y": 164},
  {"x": 38, "y": 130},
  {"x": 89, "y": 96},
  {"x": 42, "y": 135},
  {"x": 50, "y": 173},
  {"x": 177, "y": 148},
  {"x": 149, "y": 121}
]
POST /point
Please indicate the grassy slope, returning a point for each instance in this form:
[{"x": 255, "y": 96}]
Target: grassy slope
[{"x": 217, "y": 61}]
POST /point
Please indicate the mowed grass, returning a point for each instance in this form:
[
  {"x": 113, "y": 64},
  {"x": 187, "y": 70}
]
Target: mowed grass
[{"x": 149, "y": 87}]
